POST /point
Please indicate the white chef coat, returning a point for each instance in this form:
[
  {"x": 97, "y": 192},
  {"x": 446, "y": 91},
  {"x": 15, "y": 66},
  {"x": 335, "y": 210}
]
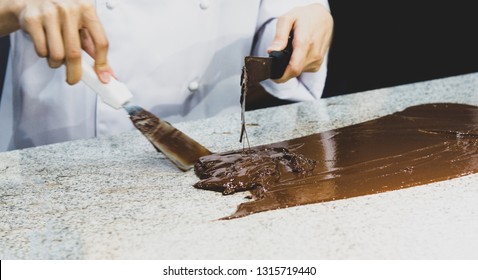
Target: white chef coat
[{"x": 181, "y": 59}]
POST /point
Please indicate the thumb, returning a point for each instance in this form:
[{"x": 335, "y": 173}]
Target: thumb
[{"x": 283, "y": 28}]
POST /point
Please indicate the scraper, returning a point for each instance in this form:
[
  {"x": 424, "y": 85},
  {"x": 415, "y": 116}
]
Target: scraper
[
  {"x": 257, "y": 69},
  {"x": 181, "y": 149}
]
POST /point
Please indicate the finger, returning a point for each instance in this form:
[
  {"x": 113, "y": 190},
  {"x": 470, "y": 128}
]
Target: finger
[
  {"x": 56, "y": 49},
  {"x": 89, "y": 47},
  {"x": 34, "y": 27},
  {"x": 283, "y": 27},
  {"x": 71, "y": 37},
  {"x": 86, "y": 42},
  {"x": 315, "y": 60},
  {"x": 297, "y": 59},
  {"x": 299, "y": 56},
  {"x": 98, "y": 36},
  {"x": 288, "y": 74}
]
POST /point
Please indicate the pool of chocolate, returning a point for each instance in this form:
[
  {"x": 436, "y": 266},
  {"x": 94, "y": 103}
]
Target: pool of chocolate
[{"x": 420, "y": 145}]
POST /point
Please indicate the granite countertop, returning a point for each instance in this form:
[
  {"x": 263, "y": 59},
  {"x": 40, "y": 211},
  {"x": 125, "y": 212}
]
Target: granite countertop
[{"x": 117, "y": 198}]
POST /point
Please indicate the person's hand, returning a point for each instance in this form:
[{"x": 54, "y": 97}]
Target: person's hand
[
  {"x": 60, "y": 29},
  {"x": 313, "y": 28}
]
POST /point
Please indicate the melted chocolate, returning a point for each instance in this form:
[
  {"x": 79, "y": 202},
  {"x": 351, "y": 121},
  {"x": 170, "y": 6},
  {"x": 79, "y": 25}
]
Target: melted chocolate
[
  {"x": 420, "y": 145},
  {"x": 256, "y": 169}
]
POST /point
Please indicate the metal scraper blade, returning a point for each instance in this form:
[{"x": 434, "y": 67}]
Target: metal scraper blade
[{"x": 181, "y": 149}]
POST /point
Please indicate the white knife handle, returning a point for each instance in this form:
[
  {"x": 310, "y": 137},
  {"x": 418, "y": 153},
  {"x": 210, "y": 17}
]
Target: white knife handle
[{"x": 114, "y": 93}]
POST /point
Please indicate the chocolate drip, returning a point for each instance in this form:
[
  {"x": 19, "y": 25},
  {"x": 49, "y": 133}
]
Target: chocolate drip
[
  {"x": 420, "y": 145},
  {"x": 244, "y": 87}
]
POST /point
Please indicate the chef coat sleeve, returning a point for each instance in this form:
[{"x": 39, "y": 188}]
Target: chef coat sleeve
[{"x": 306, "y": 87}]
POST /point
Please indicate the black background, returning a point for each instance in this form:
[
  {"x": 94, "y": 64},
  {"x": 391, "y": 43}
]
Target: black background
[
  {"x": 4, "y": 46},
  {"x": 384, "y": 43}
]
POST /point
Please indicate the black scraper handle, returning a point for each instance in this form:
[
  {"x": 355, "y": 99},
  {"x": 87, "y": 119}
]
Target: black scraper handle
[{"x": 280, "y": 59}]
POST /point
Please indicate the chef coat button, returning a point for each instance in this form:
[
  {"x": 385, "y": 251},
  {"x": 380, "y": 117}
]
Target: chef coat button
[
  {"x": 110, "y": 4},
  {"x": 204, "y": 4},
  {"x": 193, "y": 86}
]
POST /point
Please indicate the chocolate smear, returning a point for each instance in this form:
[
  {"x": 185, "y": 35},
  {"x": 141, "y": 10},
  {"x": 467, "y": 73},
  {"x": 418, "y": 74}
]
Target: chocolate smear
[{"x": 420, "y": 145}]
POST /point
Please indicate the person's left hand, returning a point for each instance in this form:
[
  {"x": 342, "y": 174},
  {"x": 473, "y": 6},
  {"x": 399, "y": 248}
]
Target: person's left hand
[{"x": 313, "y": 28}]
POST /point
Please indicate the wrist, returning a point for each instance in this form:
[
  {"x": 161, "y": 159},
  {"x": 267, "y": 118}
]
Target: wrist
[
  {"x": 324, "y": 4},
  {"x": 9, "y": 14}
]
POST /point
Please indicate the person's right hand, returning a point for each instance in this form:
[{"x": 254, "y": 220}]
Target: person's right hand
[
  {"x": 60, "y": 29},
  {"x": 313, "y": 27}
]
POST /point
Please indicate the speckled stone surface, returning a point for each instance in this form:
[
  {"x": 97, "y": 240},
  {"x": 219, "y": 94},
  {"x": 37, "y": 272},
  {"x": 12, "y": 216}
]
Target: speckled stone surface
[{"x": 117, "y": 198}]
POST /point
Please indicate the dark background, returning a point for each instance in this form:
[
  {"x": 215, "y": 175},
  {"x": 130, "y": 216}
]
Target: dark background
[
  {"x": 385, "y": 43},
  {"x": 4, "y": 45}
]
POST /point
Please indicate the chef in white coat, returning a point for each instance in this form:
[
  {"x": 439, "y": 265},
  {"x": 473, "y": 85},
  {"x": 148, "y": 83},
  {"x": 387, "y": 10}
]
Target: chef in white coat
[{"x": 181, "y": 59}]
